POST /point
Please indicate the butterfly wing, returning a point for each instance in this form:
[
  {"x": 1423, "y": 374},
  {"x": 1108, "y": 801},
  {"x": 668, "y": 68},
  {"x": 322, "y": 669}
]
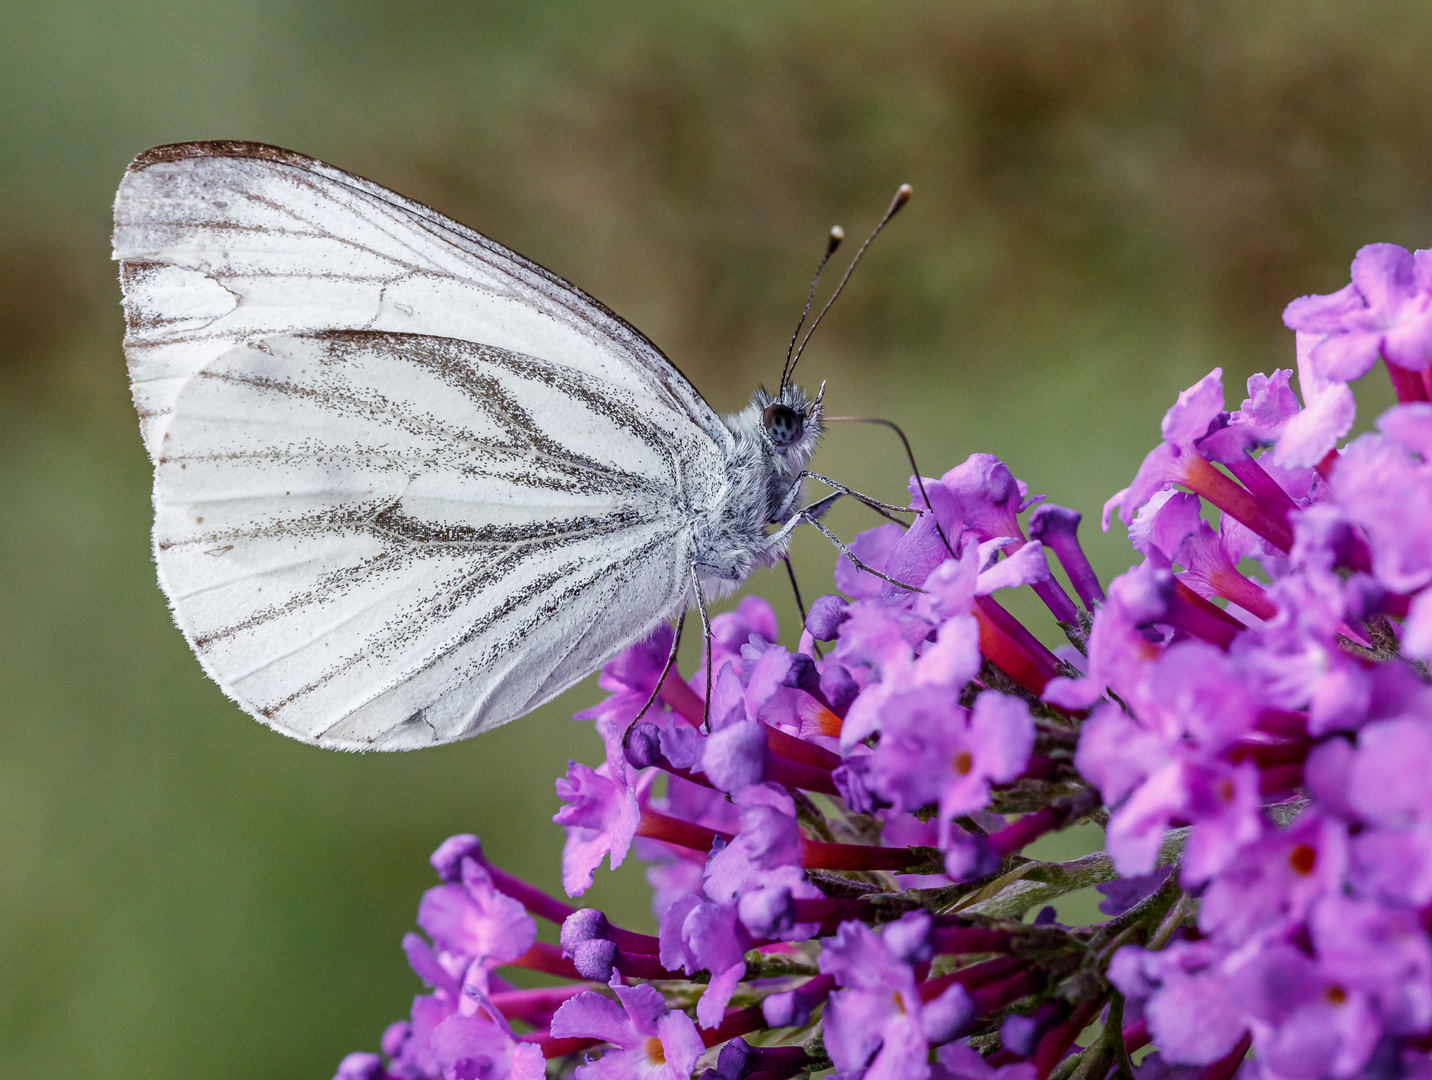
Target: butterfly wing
[
  {"x": 221, "y": 243},
  {"x": 385, "y": 538}
]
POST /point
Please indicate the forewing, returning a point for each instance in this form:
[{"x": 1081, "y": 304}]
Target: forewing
[
  {"x": 224, "y": 243},
  {"x": 382, "y": 541}
]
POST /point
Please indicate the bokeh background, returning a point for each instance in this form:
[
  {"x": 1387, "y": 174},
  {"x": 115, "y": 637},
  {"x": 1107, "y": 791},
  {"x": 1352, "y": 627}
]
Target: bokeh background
[{"x": 1112, "y": 197}]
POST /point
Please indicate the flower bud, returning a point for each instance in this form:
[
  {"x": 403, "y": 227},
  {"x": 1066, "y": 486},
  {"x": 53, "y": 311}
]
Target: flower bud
[
  {"x": 767, "y": 912},
  {"x": 826, "y": 615},
  {"x": 642, "y": 745},
  {"x": 595, "y": 959},
  {"x": 583, "y": 926},
  {"x": 447, "y": 859}
]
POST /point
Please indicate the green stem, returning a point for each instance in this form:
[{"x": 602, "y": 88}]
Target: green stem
[
  {"x": 1124, "y": 1068},
  {"x": 1181, "y": 909}
]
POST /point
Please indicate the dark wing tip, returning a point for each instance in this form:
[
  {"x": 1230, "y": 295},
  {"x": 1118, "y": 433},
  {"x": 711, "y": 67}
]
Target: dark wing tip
[{"x": 218, "y": 148}]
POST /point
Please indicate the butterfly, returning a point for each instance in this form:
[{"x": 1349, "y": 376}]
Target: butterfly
[{"x": 409, "y": 485}]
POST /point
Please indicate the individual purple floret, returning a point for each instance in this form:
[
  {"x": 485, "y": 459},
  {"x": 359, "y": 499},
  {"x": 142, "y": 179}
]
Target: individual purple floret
[
  {"x": 1057, "y": 527},
  {"x": 879, "y": 1016},
  {"x": 932, "y": 751},
  {"x": 472, "y": 920},
  {"x": 649, "y": 1040},
  {"x": 699, "y": 933},
  {"x": 484, "y": 1045},
  {"x": 1386, "y": 312},
  {"x": 1329, "y": 408},
  {"x": 601, "y": 816}
]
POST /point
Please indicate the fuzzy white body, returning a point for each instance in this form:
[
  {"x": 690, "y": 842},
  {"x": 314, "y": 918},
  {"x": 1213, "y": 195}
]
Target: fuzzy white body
[{"x": 408, "y": 485}]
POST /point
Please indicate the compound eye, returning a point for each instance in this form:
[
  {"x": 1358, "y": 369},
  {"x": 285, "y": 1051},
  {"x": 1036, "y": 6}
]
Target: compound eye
[{"x": 783, "y": 424}]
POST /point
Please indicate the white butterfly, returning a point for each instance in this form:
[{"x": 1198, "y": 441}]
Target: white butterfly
[{"x": 409, "y": 485}]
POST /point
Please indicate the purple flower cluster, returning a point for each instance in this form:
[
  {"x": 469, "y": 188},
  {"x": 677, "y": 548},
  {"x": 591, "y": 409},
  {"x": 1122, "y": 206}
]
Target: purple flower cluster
[
  {"x": 836, "y": 840},
  {"x": 1289, "y": 733}
]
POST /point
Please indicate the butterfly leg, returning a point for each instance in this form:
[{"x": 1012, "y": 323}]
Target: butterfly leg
[
  {"x": 706, "y": 637},
  {"x": 656, "y": 690},
  {"x": 807, "y": 514},
  {"x": 800, "y": 604},
  {"x": 882, "y": 508},
  {"x": 858, "y": 564}
]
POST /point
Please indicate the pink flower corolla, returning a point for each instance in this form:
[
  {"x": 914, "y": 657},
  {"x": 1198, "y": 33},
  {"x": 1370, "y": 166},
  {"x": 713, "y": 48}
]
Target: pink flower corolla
[
  {"x": 1196, "y": 433},
  {"x": 1382, "y": 483},
  {"x": 761, "y": 867},
  {"x": 1295, "y": 661},
  {"x": 1269, "y": 886},
  {"x": 648, "y": 1039},
  {"x": 1385, "y": 311},
  {"x": 878, "y": 1027},
  {"x": 1272, "y": 416},
  {"x": 1189, "y": 998},
  {"x": 1383, "y": 952},
  {"x": 601, "y": 816},
  {"x": 946, "y": 663},
  {"x": 1327, "y": 414},
  {"x": 1119, "y": 650},
  {"x": 361, "y": 1066},
  {"x": 1170, "y": 530},
  {"x": 923, "y": 546},
  {"x": 1258, "y": 422},
  {"x": 931, "y": 639},
  {"x": 1176, "y": 459},
  {"x": 474, "y": 928},
  {"x": 701, "y": 934},
  {"x": 873, "y": 548},
  {"x": 753, "y": 620},
  {"x": 773, "y": 696},
  {"x": 483, "y": 1047},
  {"x": 409, "y": 1043},
  {"x": 978, "y": 499},
  {"x": 1386, "y": 780},
  {"x": 1381, "y": 786},
  {"x": 990, "y": 497},
  {"x": 933, "y": 751},
  {"x": 1163, "y": 762},
  {"x": 1308, "y": 1025}
]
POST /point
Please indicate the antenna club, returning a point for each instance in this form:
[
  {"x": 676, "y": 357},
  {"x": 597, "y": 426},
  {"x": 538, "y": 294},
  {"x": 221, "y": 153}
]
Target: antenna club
[{"x": 837, "y": 234}]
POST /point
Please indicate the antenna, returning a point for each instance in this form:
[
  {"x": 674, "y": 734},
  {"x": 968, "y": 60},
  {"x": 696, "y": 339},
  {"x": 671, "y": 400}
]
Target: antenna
[
  {"x": 837, "y": 234},
  {"x": 902, "y": 196}
]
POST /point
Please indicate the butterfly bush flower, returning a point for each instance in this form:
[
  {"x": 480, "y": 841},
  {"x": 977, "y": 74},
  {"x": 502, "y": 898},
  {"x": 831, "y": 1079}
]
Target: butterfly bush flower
[
  {"x": 838, "y": 841},
  {"x": 647, "y": 1038}
]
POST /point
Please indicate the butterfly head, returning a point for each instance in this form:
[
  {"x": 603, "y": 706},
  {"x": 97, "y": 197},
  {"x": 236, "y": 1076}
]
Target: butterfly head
[
  {"x": 776, "y": 436},
  {"x": 789, "y": 423}
]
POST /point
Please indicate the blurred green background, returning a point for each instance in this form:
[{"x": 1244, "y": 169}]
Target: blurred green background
[{"x": 1112, "y": 197}]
